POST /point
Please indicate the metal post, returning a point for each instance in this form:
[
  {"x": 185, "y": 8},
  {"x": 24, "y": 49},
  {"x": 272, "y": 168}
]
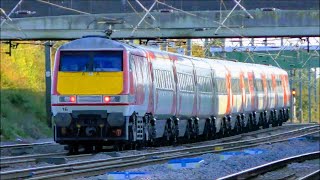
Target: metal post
[
  {"x": 300, "y": 96},
  {"x": 224, "y": 54},
  {"x": 315, "y": 85},
  {"x": 292, "y": 103},
  {"x": 206, "y": 48},
  {"x": 309, "y": 95},
  {"x": 252, "y": 42},
  {"x": 164, "y": 45},
  {"x": 48, "y": 46},
  {"x": 189, "y": 47},
  {"x": 316, "y": 106}
]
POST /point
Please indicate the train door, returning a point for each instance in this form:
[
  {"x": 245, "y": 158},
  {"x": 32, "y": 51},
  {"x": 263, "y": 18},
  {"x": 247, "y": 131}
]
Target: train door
[
  {"x": 275, "y": 90},
  {"x": 242, "y": 91},
  {"x": 185, "y": 88},
  {"x": 285, "y": 90},
  {"x": 141, "y": 80},
  {"x": 251, "y": 89},
  {"x": 164, "y": 87},
  {"x": 265, "y": 90}
]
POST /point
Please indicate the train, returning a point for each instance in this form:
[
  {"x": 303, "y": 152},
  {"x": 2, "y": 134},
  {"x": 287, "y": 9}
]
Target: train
[{"x": 107, "y": 92}]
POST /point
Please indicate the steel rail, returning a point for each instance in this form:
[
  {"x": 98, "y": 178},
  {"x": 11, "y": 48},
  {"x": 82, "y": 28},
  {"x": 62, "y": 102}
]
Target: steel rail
[
  {"x": 33, "y": 172},
  {"x": 251, "y": 133},
  {"x": 10, "y": 161},
  {"x": 13, "y": 160},
  {"x": 30, "y": 156},
  {"x": 25, "y": 145},
  {"x": 271, "y": 166},
  {"x": 124, "y": 165},
  {"x": 312, "y": 176}
]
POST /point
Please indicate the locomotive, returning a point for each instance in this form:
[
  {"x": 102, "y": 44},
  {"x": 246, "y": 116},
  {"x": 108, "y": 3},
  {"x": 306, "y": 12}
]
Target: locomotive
[{"x": 106, "y": 92}]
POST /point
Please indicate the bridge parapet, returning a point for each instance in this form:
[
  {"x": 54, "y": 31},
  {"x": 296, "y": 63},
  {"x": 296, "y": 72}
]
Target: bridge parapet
[{"x": 200, "y": 24}]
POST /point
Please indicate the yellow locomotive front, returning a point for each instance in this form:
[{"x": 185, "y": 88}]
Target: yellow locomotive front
[{"x": 90, "y": 95}]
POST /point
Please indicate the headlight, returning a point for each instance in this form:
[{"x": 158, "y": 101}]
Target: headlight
[{"x": 68, "y": 99}]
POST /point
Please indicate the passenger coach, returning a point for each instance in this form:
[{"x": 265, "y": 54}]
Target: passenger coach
[{"x": 109, "y": 92}]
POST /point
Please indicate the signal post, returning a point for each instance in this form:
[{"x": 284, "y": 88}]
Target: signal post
[{"x": 293, "y": 106}]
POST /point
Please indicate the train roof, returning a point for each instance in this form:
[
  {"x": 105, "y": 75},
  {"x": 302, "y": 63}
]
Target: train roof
[
  {"x": 93, "y": 43},
  {"x": 98, "y": 43}
]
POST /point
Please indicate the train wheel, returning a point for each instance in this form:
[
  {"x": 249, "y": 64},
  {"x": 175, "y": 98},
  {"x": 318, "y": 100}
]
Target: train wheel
[
  {"x": 207, "y": 132},
  {"x": 189, "y": 130},
  {"x": 73, "y": 148},
  {"x": 176, "y": 130},
  {"x": 280, "y": 119},
  {"x": 132, "y": 128},
  {"x": 213, "y": 127},
  {"x": 249, "y": 123},
  {"x": 224, "y": 129},
  {"x": 275, "y": 119},
  {"x": 242, "y": 116},
  {"x": 196, "y": 128},
  {"x": 152, "y": 129},
  {"x": 168, "y": 132},
  {"x": 266, "y": 123},
  {"x": 88, "y": 148},
  {"x": 98, "y": 148},
  {"x": 238, "y": 127}
]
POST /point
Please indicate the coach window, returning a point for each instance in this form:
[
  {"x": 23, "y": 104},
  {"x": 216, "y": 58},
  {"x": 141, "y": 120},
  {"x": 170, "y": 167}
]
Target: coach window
[
  {"x": 190, "y": 83},
  {"x": 74, "y": 61},
  {"x": 161, "y": 79},
  {"x": 109, "y": 61},
  {"x": 246, "y": 86},
  {"x": 214, "y": 85},
  {"x": 221, "y": 85},
  {"x": 170, "y": 80},
  {"x": 156, "y": 77},
  {"x": 200, "y": 84},
  {"x": 279, "y": 86},
  {"x": 165, "y": 77},
  {"x": 165, "y": 81},
  {"x": 235, "y": 86},
  {"x": 269, "y": 85},
  {"x": 183, "y": 82},
  {"x": 187, "y": 80},
  {"x": 208, "y": 85}
]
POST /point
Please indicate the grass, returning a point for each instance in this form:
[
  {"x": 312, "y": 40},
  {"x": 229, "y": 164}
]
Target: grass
[{"x": 23, "y": 112}]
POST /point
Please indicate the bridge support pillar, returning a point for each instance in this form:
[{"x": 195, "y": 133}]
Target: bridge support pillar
[
  {"x": 48, "y": 46},
  {"x": 189, "y": 47}
]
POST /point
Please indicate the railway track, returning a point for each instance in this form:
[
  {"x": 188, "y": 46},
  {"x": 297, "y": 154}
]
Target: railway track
[
  {"x": 17, "y": 160},
  {"x": 35, "y": 158},
  {"x": 251, "y": 134},
  {"x": 96, "y": 167},
  {"x": 24, "y": 145},
  {"x": 28, "y": 148},
  {"x": 312, "y": 176},
  {"x": 268, "y": 167}
]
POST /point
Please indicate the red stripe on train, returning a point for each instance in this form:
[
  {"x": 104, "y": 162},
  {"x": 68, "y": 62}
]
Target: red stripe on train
[{"x": 92, "y": 104}]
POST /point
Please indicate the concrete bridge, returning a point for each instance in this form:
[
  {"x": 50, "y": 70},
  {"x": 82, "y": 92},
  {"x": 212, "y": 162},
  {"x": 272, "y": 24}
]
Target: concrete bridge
[{"x": 169, "y": 24}]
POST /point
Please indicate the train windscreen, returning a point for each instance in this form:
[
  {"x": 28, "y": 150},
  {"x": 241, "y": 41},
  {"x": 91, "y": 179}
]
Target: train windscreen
[{"x": 91, "y": 61}]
